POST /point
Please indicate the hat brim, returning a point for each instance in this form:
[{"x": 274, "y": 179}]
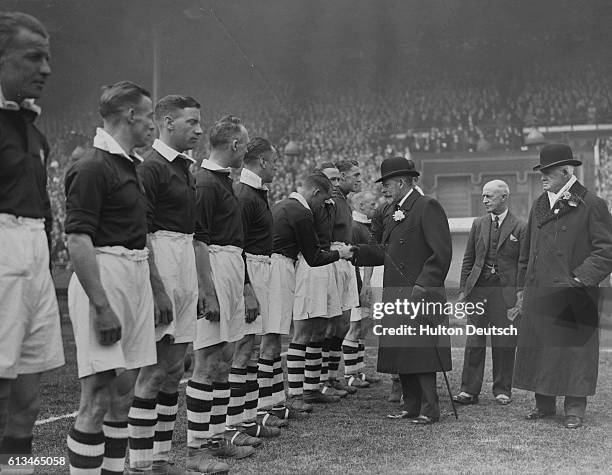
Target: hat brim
[
  {"x": 575, "y": 163},
  {"x": 398, "y": 173}
]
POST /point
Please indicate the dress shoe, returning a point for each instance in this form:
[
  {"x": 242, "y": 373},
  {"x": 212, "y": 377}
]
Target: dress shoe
[
  {"x": 402, "y": 415},
  {"x": 572, "y": 422},
  {"x": 424, "y": 420},
  {"x": 503, "y": 399},
  {"x": 538, "y": 413},
  {"x": 465, "y": 399}
]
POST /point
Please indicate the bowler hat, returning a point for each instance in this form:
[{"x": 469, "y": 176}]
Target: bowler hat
[
  {"x": 396, "y": 166},
  {"x": 555, "y": 155}
]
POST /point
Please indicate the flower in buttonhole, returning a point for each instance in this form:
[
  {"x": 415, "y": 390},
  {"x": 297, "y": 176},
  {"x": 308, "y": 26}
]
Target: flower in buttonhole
[{"x": 399, "y": 215}]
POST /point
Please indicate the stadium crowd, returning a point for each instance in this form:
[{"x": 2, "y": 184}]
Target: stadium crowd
[{"x": 433, "y": 112}]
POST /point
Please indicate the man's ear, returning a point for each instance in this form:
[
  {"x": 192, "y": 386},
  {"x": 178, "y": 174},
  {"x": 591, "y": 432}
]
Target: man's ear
[
  {"x": 168, "y": 122},
  {"x": 234, "y": 145},
  {"x": 130, "y": 116}
]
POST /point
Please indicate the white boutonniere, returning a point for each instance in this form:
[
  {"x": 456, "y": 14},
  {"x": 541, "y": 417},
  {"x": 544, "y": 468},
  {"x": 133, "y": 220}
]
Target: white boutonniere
[
  {"x": 399, "y": 215},
  {"x": 572, "y": 200}
]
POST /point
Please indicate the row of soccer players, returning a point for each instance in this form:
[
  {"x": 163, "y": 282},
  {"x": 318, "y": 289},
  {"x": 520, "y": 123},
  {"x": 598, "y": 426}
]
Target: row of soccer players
[{"x": 214, "y": 266}]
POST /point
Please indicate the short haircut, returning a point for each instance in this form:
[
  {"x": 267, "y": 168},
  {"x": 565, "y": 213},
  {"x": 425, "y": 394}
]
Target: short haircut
[
  {"x": 318, "y": 180},
  {"x": 12, "y": 22},
  {"x": 361, "y": 196},
  {"x": 256, "y": 147},
  {"x": 222, "y": 131},
  {"x": 119, "y": 96},
  {"x": 346, "y": 165},
  {"x": 325, "y": 165},
  {"x": 168, "y": 104}
]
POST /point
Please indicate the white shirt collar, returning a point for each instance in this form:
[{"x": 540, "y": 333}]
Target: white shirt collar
[
  {"x": 501, "y": 216},
  {"x": 252, "y": 179},
  {"x": 212, "y": 166},
  {"x": 399, "y": 205},
  {"x": 168, "y": 152},
  {"x": 417, "y": 188},
  {"x": 552, "y": 197},
  {"x": 13, "y": 106},
  {"x": 297, "y": 196},
  {"x": 105, "y": 141},
  {"x": 359, "y": 217}
]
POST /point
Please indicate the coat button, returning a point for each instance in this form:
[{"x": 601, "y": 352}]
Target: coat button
[
  {"x": 556, "y": 279},
  {"x": 401, "y": 266},
  {"x": 401, "y": 241}
]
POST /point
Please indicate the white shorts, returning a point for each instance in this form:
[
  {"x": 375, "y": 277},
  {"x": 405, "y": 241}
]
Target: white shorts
[
  {"x": 347, "y": 283},
  {"x": 175, "y": 261},
  {"x": 282, "y": 289},
  {"x": 30, "y": 329},
  {"x": 124, "y": 275},
  {"x": 227, "y": 268},
  {"x": 316, "y": 291},
  {"x": 258, "y": 268}
]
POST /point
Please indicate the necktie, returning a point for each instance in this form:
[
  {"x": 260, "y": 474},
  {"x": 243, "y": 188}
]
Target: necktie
[{"x": 496, "y": 222}]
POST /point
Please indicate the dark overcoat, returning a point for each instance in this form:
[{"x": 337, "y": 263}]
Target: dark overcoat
[
  {"x": 417, "y": 250},
  {"x": 558, "y": 341}
]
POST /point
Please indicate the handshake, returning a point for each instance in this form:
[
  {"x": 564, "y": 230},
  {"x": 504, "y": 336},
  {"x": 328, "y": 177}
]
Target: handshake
[{"x": 345, "y": 251}]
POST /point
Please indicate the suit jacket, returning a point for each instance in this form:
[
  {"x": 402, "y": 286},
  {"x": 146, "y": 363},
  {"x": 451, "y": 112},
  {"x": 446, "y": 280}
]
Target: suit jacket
[
  {"x": 415, "y": 250},
  {"x": 558, "y": 341},
  {"x": 511, "y": 235}
]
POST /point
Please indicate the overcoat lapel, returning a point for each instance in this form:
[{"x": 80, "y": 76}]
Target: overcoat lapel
[
  {"x": 545, "y": 214},
  {"x": 391, "y": 223}
]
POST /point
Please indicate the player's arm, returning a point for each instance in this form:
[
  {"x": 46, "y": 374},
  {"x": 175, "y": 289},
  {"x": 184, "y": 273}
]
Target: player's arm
[
  {"x": 208, "y": 304},
  {"x": 308, "y": 244},
  {"x": 251, "y": 305},
  {"x": 150, "y": 178}
]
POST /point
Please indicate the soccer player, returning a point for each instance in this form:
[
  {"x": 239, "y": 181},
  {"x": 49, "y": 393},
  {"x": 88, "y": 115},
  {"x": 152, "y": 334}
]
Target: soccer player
[
  {"x": 170, "y": 193},
  {"x": 294, "y": 233},
  {"x": 109, "y": 295},
  {"x": 342, "y": 233},
  {"x": 252, "y": 193},
  {"x": 227, "y": 307},
  {"x": 30, "y": 334}
]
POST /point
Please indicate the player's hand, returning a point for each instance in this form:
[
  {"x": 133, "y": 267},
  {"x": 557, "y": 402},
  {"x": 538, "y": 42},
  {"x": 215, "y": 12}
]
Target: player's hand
[
  {"x": 208, "y": 305},
  {"x": 418, "y": 293},
  {"x": 162, "y": 308},
  {"x": 107, "y": 326},
  {"x": 251, "y": 305},
  {"x": 366, "y": 295},
  {"x": 345, "y": 252}
]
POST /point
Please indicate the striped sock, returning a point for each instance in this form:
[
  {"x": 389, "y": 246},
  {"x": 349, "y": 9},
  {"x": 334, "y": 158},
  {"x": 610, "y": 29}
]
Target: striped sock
[
  {"x": 278, "y": 383},
  {"x": 252, "y": 394},
  {"x": 199, "y": 399},
  {"x": 312, "y": 368},
  {"x": 235, "y": 408},
  {"x": 85, "y": 452},
  {"x": 218, "y": 411},
  {"x": 265, "y": 377},
  {"x": 115, "y": 444},
  {"x": 335, "y": 355},
  {"x": 324, "y": 360},
  {"x": 361, "y": 356},
  {"x": 167, "y": 407},
  {"x": 296, "y": 356},
  {"x": 142, "y": 420},
  {"x": 350, "y": 350}
]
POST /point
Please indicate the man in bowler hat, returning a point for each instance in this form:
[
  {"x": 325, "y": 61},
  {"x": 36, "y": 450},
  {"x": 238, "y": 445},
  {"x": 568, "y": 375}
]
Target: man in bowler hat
[
  {"x": 414, "y": 244},
  {"x": 566, "y": 254}
]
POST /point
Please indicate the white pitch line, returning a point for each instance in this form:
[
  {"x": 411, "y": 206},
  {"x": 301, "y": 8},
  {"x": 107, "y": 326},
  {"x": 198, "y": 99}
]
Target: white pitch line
[{"x": 49, "y": 420}]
